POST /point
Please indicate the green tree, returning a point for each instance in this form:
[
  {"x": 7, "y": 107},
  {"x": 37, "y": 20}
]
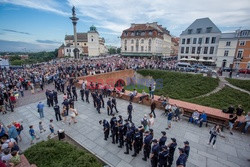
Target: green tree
[
  {"x": 17, "y": 62},
  {"x": 14, "y": 57},
  {"x": 118, "y": 50}
]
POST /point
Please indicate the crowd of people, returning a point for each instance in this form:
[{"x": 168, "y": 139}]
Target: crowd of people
[{"x": 63, "y": 73}]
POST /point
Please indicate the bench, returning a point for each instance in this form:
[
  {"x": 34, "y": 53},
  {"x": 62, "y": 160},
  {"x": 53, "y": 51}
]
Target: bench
[{"x": 214, "y": 116}]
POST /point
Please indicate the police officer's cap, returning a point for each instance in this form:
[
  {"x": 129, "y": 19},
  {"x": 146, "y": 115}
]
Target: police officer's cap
[
  {"x": 126, "y": 120},
  {"x": 164, "y": 147},
  {"x": 154, "y": 141},
  {"x": 173, "y": 139},
  {"x": 147, "y": 131},
  {"x": 186, "y": 142},
  {"x": 140, "y": 127},
  {"x": 181, "y": 149},
  {"x": 119, "y": 116},
  {"x": 163, "y": 132},
  {"x": 136, "y": 129},
  {"x": 151, "y": 130}
]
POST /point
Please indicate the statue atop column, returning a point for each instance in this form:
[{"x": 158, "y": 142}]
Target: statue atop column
[{"x": 73, "y": 11}]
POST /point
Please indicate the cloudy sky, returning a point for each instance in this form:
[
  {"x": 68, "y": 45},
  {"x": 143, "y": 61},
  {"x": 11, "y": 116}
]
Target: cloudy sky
[{"x": 35, "y": 25}]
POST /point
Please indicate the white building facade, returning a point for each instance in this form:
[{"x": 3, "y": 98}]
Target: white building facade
[
  {"x": 146, "y": 40},
  {"x": 226, "y": 50},
  {"x": 89, "y": 44},
  {"x": 200, "y": 41}
]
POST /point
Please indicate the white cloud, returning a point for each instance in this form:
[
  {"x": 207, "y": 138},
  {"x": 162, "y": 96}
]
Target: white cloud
[
  {"x": 46, "y": 5},
  {"x": 116, "y": 15}
]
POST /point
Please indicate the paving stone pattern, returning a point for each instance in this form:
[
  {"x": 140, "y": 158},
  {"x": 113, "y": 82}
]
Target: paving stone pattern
[{"x": 232, "y": 151}]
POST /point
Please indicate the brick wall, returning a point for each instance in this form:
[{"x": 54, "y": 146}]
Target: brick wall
[{"x": 109, "y": 78}]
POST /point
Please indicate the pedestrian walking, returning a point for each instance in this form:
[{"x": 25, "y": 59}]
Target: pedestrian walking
[
  {"x": 41, "y": 127},
  {"x": 32, "y": 134},
  {"x": 82, "y": 92},
  {"x": 153, "y": 106},
  {"x": 51, "y": 128},
  {"x": 73, "y": 113},
  {"x": 151, "y": 121},
  {"x": 40, "y": 107},
  {"x": 109, "y": 107},
  {"x": 130, "y": 109},
  {"x": 213, "y": 134}
]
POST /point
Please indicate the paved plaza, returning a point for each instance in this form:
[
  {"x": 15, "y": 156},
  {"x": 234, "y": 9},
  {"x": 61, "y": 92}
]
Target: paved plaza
[{"x": 231, "y": 151}]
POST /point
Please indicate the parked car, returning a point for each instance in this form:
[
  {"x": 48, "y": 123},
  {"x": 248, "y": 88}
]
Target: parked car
[
  {"x": 182, "y": 66},
  {"x": 190, "y": 69},
  {"x": 244, "y": 71}
]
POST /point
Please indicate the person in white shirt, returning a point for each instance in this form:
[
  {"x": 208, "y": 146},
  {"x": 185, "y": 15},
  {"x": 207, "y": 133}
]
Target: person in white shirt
[{"x": 151, "y": 121}]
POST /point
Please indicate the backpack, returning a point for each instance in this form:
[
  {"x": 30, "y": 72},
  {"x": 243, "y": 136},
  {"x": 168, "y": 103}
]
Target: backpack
[{"x": 144, "y": 122}]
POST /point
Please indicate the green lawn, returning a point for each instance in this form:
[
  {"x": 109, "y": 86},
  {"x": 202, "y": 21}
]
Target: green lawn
[
  {"x": 54, "y": 153},
  {"x": 224, "y": 98},
  {"x": 181, "y": 85},
  {"x": 138, "y": 88},
  {"x": 244, "y": 84}
]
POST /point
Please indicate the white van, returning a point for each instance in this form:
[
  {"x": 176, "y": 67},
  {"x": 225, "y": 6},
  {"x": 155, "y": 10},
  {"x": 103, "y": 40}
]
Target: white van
[{"x": 182, "y": 66}]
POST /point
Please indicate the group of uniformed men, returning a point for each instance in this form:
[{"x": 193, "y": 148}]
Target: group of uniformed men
[{"x": 126, "y": 134}]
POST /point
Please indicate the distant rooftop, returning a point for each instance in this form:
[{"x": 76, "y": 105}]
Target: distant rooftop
[{"x": 201, "y": 26}]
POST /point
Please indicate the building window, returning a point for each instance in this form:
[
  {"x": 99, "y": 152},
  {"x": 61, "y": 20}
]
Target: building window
[
  {"x": 228, "y": 43},
  {"x": 85, "y": 44},
  {"x": 149, "y": 42},
  {"x": 187, "y": 49},
  {"x": 142, "y": 33},
  {"x": 125, "y": 34},
  {"x": 199, "y": 50},
  {"x": 198, "y": 30},
  {"x": 142, "y": 41},
  {"x": 200, "y": 41},
  {"x": 137, "y": 45},
  {"x": 137, "y": 33},
  {"x": 205, "y": 50},
  {"x": 211, "y": 50},
  {"x": 188, "y": 41},
  {"x": 226, "y": 53},
  {"x": 244, "y": 33},
  {"x": 242, "y": 43},
  {"x": 150, "y": 33},
  {"x": 92, "y": 39},
  {"x": 182, "y": 49},
  {"x": 239, "y": 55},
  {"x": 190, "y": 31},
  {"x": 209, "y": 29},
  {"x": 248, "y": 65},
  {"x": 77, "y": 43},
  {"x": 132, "y": 48},
  {"x": 149, "y": 48},
  {"x": 193, "y": 50},
  {"x": 205, "y": 58},
  {"x": 132, "y": 41},
  {"x": 125, "y": 48},
  {"x": 142, "y": 48},
  {"x": 207, "y": 40},
  {"x": 213, "y": 40},
  {"x": 183, "y": 41},
  {"x": 194, "y": 40},
  {"x": 132, "y": 34}
]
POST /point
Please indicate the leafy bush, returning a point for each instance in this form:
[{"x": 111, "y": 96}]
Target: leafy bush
[
  {"x": 244, "y": 84},
  {"x": 181, "y": 85},
  {"x": 54, "y": 153},
  {"x": 224, "y": 98}
]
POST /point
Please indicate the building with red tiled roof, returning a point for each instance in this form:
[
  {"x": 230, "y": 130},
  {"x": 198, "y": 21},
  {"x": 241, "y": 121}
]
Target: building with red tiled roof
[{"x": 149, "y": 39}]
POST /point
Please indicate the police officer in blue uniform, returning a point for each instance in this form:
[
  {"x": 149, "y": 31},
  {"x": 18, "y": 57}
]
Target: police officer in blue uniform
[
  {"x": 98, "y": 105},
  {"x": 163, "y": 139},
  {"x": 74, "y": 92},
  {"x": 57, "y": 112},
  {"x": 147, "y": 145},
  {"x": 114, "y": 104},
  {"x": 154, "y": 153},
  {"x": 126, "y": 127},
  {"x": 120, "y": 134},
  {"x": 87, "y": 95},
  {"x": 101, "y": 98},
  {"x": 141, "y": 131},
  {"x": 186, "y": 148},
  {"x": 181, "y": 161},
  {"x": 130, "y": 109},
  {"x": 69, "y": 91},
  {"x": 172, "y": 146},
  {"x": 106, "y": 129},
  {"x": 55, "y": 97},
  {"x": 128, "y": 140},
  {"x": 112, "y": 123},
  {"x": 94, "y": 98},
  {"x": 51, "y": 99},
  {"x": 82, "y": 94},
  {"x": 136, "y": 142},
  {"x": 109, "y": 107},
  {"x": 163, "y": 156},
  {"x": 115, "y": 133}
]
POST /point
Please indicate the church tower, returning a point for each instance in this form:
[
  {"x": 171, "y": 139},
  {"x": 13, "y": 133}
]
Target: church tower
[{"x": 93, "y": 42}]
